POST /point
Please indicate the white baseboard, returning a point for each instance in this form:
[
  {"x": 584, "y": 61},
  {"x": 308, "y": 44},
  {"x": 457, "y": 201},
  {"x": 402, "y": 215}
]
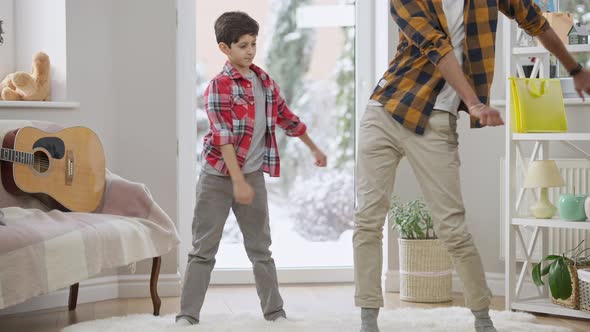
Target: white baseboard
[
  {"x": 495, "y": 282},
  {"x": 169, "y": 285},
  {"x": 136, "y": 286},
  {"x": 100, "y": 289},
  {"x": 285, "y": 276}
]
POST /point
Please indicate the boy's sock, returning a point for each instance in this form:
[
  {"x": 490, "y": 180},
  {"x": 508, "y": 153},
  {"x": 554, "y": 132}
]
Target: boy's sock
[
  {"x": 276, "y": 315},
  {"x": 369, "y": 319},
  {"x": 183, "y": 322},
  {"x": 483, "y": 322}
]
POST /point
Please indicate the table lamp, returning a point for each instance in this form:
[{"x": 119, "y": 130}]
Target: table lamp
[{"x": 543, "y": 174}]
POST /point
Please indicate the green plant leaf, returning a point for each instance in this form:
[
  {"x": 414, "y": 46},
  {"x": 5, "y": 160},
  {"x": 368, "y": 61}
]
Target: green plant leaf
[
  {"x": 537, "y": 274},
  {"x": 418, "y": 231},
  {"x": 412, "y": 219},
  {"x": 560, "y": 280}
]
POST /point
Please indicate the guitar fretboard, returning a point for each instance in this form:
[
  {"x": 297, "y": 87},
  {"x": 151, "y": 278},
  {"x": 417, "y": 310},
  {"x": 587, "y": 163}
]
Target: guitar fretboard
[{"x": 17, "y": 156}]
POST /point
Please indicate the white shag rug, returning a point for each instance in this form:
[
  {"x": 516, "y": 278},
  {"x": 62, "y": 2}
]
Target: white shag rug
[{"x": 453, "y": 319}]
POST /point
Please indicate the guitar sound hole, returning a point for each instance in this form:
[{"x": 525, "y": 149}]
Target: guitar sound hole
[{"x": 41, "y": 162}]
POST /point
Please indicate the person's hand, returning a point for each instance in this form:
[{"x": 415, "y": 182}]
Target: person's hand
[
  {"x": 320, "y": 158},
  {"x": 243, "y": 193},
  {"x": 582, "y": 82},
  {"x": 487, "y": 115}
]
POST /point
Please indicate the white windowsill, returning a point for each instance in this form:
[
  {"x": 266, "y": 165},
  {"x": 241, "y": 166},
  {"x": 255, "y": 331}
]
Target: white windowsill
[{"x": 40, "y": 104}]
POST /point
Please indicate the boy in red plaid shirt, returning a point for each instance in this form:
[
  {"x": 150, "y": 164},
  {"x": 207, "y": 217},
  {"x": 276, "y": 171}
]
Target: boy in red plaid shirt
[{"x": 243, "y": 105}]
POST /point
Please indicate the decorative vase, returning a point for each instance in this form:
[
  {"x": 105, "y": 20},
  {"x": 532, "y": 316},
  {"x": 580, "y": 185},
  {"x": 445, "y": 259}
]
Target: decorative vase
[
  {"x": 543, "y": 209},
  {"x": 572, "y": 207},
  {"x": 587, "y": 206}
]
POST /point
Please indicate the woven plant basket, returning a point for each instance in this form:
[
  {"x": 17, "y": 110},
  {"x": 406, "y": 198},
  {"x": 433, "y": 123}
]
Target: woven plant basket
[
  {"x": 573, "y": 301},
  {"x": 584, "y": 277},
  {"x": 425, "y": 271}
]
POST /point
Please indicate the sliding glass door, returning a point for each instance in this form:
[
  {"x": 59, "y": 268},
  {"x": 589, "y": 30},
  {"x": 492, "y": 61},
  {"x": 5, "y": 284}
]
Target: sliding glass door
[{"x": 308, "y": 48}]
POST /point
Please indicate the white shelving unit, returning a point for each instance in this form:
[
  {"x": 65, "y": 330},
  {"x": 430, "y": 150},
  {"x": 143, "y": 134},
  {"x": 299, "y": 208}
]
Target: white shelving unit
[
  {"x": 550, "y": 223},
  {"x": 516, "y": 279},
  {"x": 551, "y": 137},
  {"x": 543, "y": 51}
]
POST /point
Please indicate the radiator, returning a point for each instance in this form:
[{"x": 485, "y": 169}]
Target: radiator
[{"x": 576, "y": 173}]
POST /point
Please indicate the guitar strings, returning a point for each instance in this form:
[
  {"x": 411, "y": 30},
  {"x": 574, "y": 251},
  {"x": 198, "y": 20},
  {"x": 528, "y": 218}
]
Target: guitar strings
[{"x": 44, "y": 162}]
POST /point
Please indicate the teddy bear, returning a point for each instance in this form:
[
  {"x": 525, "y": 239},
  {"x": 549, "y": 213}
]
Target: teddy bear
[{"x": 29, "y": 87}]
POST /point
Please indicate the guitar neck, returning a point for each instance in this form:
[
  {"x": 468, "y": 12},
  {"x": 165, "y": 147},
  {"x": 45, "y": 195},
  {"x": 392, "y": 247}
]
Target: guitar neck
[{"x": 17, "y": 156}]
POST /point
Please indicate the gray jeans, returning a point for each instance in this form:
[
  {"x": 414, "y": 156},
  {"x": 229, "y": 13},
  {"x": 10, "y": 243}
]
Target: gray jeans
[{"x": 214, "y": 200}]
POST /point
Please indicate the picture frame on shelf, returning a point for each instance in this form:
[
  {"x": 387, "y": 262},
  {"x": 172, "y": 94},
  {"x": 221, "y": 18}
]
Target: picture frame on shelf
[
  {"x": 578, "y": 34},
  {"x": 524, "y": 39},
  {"x": 561, "y": 24}
]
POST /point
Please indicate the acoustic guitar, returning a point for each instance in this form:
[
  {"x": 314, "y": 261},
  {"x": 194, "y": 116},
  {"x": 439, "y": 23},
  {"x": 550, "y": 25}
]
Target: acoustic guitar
[{"x": 65, "y": 167}]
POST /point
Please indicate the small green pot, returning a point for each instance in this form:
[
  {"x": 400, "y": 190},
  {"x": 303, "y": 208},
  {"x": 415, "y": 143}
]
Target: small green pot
[{"x": 571, "y": 207}]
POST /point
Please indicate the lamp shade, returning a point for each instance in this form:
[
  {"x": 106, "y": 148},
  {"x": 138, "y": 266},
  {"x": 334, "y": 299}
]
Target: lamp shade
[{"x": 543, "y": 174}]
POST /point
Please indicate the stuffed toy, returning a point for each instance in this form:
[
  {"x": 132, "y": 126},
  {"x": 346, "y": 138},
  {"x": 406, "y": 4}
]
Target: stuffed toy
[{"x": 25, "y": 86}]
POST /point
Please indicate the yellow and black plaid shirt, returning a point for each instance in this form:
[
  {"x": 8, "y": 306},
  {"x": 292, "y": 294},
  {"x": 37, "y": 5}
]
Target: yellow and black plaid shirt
[{"x": 410, "y": 86}]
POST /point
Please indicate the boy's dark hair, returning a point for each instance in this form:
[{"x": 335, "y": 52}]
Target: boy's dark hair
[{"x": 230, "y": 26}]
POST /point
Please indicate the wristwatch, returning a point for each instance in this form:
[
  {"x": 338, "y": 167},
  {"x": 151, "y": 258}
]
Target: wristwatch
[{"x": 576, "y": 70}]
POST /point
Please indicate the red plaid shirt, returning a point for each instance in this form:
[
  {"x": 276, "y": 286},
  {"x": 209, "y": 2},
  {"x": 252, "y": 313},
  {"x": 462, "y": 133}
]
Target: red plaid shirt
[{"x": 229, "y": 103}]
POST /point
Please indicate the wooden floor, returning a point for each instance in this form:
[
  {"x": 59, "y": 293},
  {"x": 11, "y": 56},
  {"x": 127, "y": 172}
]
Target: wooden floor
[{"x": 233, "y": 299}]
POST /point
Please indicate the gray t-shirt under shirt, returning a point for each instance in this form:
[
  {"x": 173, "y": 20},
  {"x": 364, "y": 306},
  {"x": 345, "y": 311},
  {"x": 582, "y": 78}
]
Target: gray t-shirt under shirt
[
  {"x": 255, "y": 157},
  {"x": 448, "y": 100}
]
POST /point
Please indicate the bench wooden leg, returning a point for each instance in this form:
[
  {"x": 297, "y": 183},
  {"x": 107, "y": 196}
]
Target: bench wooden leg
[
  {"x": 154, "y": 284},
  {"x": 73, "y": 297},
  {"x": 156, "y": 262}
]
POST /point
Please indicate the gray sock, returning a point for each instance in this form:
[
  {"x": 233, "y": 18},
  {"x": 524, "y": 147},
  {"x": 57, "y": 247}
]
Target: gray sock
[
  {"x": 483, "y": 322},
  {"x": 369, "y": 319}
]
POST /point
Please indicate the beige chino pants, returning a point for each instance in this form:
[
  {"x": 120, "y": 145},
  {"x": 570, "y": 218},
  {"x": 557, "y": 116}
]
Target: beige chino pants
[{"x": 434, "y": 158}]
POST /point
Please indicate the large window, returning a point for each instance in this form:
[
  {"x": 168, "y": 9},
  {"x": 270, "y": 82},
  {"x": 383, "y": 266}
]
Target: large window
[
  {"x": 580, "y": 13},
  {"x": 580, "y": 10},
  {"x": 27, "y": 27},
  {"x": 312, "y": 58}
]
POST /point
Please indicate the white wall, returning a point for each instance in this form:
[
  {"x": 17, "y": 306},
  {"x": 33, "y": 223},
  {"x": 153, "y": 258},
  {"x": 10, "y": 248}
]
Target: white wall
[
  {"x": 122, "y": 69},
  {"x": 45, "y": 31},
  {"x": 90, "y": 71},
  {"x": 121, "y": 63},
  {"x": 90, "y": 74},
  {"x": 144, "y": 83}
]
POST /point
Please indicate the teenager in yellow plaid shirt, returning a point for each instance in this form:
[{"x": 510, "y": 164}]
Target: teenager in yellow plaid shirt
[{"x": 444, "y": 64}]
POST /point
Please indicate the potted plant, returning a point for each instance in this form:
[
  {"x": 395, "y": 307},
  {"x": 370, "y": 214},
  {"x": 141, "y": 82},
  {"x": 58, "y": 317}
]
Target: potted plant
[
  {"x": 563, "y": 276},
  {"x": 425, "y": 265}
]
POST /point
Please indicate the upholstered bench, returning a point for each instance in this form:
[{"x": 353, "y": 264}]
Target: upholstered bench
[{"x": 44, "y": 250}]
